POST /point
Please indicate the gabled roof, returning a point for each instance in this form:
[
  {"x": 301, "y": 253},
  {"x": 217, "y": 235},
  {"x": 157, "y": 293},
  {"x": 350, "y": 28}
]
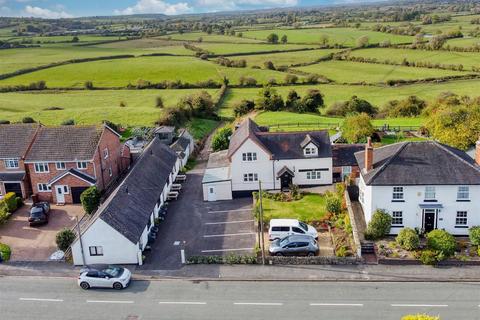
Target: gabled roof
[
  {"x": 344, "y": 154},
  {"x": 16, "y": 138},
  {"x": 65, "y": 143},
  {"x": 181, "y": 144},
  {"x": 280, "y": 145},
  {"x": 129, "y": 207},
  {"x": 76, "y": 173},
  {"x": 284, "y": 170},
  {"x": 419, "y": 163}
]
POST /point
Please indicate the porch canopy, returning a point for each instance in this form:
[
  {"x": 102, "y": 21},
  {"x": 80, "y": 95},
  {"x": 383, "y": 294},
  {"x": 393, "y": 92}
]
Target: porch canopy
[{"x": 284, "y": 170}]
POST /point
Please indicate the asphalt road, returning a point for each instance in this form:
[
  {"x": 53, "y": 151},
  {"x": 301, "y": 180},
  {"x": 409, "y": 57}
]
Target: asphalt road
[{"x": 36, "y": 298}]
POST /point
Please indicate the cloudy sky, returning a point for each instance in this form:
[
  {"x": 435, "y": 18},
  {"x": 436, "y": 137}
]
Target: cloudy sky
[{"x": 76, "y": 8}]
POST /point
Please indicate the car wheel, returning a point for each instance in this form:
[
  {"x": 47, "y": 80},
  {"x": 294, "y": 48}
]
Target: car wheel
[
  {"x": 84, "y": 285},
  {"x": 117, "y": 286},
  {"x": 279, "y": 254},
  {"x": 311, "y": 254}
]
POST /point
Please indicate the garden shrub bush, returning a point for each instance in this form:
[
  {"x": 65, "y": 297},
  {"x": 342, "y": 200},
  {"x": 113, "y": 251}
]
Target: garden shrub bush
[
  {"x": 333, "y": 204},
  {"x": 10, "y": 201},
  {"x": 442, "y": 241},
  {"x": 4, "y": 214},
  {"x": 221, "y": 138},
  {"x": 431, "y": 257},
  {"x": 5, "y": 252},
  {"x": 408, "y": 239},
  {"x": 19, "y": 202},
  {"x": 379, "y": 225},
  {"x": 90, "y": 199},
  {"x": 64, "y": 239},
  {"x": 474, "y": 235}
]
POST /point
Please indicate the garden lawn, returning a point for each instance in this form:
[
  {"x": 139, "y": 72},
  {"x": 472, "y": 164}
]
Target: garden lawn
[
  {"x": 467, "y": 59},
  {"x": 120, "y": 73},
  {"x": 356, "y": 72},
  {"x": 310, "y": 208},
  {"x": 342, "y": 36},
  {"x": 285, "y": 58},
  {"x": 90, "y": 107}
]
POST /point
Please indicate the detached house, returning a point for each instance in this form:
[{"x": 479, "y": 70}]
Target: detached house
[
  {"x": 425, "y": 185},
  {"x": 278, "y": 159},
  {"x": 64, "y": 161},
  {"x": 15, "y": 141}
]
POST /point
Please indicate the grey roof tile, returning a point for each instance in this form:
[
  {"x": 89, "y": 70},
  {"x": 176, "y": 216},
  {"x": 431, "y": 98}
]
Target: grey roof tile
[{"x": 15, "y": 139}]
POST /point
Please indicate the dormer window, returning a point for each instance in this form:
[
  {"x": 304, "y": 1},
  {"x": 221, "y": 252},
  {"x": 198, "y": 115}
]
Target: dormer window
[{"x": 310, "y": 151}]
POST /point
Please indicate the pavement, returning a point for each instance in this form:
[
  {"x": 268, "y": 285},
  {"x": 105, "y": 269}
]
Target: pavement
[
  {"x": 37, "y": 243},
  {"x": 201, "y": 228},
  {"x": 38, "y": 299}
]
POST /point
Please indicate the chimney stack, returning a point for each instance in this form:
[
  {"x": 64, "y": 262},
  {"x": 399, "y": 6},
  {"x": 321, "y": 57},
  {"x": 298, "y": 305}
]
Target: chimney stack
[
  {"x": 369, "y": 155},
  {"x": 477, "y": 152}
]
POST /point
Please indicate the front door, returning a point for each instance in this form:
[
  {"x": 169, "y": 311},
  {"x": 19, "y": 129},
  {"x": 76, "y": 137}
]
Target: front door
[
  {"x": 429, "y": 219},
  {"x": 59, "y": 192},
  {"x": 285, "y": 181},
  {"x": 212, "y": 196}
]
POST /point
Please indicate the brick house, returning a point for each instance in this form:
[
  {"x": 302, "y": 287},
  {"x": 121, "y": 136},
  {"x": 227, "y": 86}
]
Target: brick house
[
  {"x": 15, "y": 141},
  {"x": 64, "y": 161}
]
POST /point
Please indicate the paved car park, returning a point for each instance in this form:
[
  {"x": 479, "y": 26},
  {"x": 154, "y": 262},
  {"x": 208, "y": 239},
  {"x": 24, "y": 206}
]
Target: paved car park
[
  {"x": 37, "y": 243},
  {"x": 201, "y": 228}
]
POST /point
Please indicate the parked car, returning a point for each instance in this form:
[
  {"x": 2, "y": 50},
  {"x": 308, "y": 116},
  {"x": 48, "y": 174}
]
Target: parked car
[
  {"x": 280, "y": 228},
  {"x": 104, "y": 277},
  {"x": 39, "y": 213},
  {"x": 296, "y": 245}
]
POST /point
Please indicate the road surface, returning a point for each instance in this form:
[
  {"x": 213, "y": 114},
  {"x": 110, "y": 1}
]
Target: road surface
[{"x": 41, "y": 298}]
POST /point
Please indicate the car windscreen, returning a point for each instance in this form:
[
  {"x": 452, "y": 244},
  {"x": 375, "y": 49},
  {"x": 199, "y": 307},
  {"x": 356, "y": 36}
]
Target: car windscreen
[
  {"x": 284, "y": 242},
  {"x": 36, "y": 213},
  {"x": 303, "y": 225},
  {"x": 114, "y": 272}
]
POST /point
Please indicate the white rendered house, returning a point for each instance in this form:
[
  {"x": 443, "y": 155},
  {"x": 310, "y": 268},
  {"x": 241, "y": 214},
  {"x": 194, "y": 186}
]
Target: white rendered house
[{"x": 425, "y": 185}]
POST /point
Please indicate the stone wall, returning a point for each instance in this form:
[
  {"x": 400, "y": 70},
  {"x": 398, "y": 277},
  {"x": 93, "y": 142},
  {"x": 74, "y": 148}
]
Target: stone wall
[{"x": 311, "y": 260}]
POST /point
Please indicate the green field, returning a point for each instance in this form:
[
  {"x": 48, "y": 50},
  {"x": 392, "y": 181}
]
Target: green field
[
  {"x": 194, "y": 36},
  {"x": 357, "y": 72},
  {"x": 148, "y": 45},
  {"x": 464, "y": 42},
  {"x": 343, "y": 36},
  {"x": 286, "y": 58},
  {"x": 64, "y": 39},
  {"x": 228, "y": 48},
  {"x": 119, "y": 73},
  {"x": 376, "y": 95},
  {"x": 467, "y": 59},
  {"x": 88, "y": 107}
]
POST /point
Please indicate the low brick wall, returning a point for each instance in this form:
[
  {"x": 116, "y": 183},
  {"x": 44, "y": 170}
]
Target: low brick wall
[
  {"x": 312, "y": 260},
  {"x": 411, "y": 262}
]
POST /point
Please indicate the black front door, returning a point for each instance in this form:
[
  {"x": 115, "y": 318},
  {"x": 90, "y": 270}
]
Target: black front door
[
  {"x": 14, "y": 187},
  {"x": 285, "y": 180},
  {"x": 429, "y": 219}
]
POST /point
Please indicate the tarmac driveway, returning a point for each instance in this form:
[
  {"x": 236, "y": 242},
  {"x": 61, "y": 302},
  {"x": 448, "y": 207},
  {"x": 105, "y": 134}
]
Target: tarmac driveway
[
  {"x": 37, "y": 243},
  {"x": 201, "y": 228}
]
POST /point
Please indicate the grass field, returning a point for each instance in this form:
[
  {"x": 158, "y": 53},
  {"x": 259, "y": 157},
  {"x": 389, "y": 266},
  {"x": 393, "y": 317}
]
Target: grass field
[
  {"x": 356, "y": 72},
  {"x": 148, "y": 44},
  {"x": 464, "y": 42},
  {"x": 286, "y": 58},
  {"x": 467, "y": 59},
  {"x": 194, "y": 36},
  {"x": 228, "y": 48},
  {"x": 343, "y": 36},
  {"x": 88, "y": 107},
  {"x": 376, "y": 95},
  {"x": 119, "y": 73},
  {"x": 63, "y": 39}
]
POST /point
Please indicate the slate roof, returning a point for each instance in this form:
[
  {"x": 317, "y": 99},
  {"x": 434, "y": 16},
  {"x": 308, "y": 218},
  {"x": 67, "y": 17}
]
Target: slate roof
[
  {"x": 181, "y": 144},
  {"x": 129, "y": 207},
  {"x": 12, "y": 176},
  {"x": 76, "y": 173},
  {"x": 419, "y": 163},
  {"x": 15, "y": 139},
  {"x": 344, "y": 154},
  {"x": 65, "y": 143},
  {"x": 280, "y": 145}
]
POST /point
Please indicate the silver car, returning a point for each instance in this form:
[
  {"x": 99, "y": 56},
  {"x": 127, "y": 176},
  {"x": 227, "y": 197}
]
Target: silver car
[{"x": 295, "y": 245}]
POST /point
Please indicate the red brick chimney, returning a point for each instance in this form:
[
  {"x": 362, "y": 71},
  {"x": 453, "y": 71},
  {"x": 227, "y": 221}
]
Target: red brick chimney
[
  {"x": 477, "y": 152},
  {"x": 369, "y": 155}
]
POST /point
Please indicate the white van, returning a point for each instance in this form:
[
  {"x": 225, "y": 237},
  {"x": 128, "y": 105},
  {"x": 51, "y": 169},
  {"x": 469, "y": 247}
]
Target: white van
[{"x": 280, "y": 228}]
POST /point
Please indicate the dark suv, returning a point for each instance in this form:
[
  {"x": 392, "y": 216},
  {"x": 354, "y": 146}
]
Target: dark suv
[{"x": 39, "y": 214}]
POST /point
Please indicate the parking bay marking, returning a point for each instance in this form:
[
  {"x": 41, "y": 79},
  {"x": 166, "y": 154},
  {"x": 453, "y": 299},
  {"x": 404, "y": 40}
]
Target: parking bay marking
[
  {"x": 40, "y": 299},
  {"x": 110, "y": 301},
  {"x": 182, "y": 302},
  {"x": 420, "y": 305},
  {"x": 336, "y": 304},
  {"x": 227, "y": 211},
  {"x": 228, "y": 222},
  {"x": 258, "y": 303},
  {"x": 228, "y": 235},
  {"x": 227, "y": 250}
]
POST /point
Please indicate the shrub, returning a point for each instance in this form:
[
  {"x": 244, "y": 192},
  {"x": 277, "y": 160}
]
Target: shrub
[
  {"x": 64, "y": 239},
  {"x": 474, "y": 235},
  {"x": 291, "y": 78},
  {"x": 122, "y": 104},
  {"x": 90, "y": 199},
  {"x": 4, "y": 214},
  {"x": 419, "y": 317},
  {"x": 10, "y": 201},
  {"x": 28, "y": 120},
  {"x": 272, "y": 38},
  {"x": 442, "y": 241},
  {"x": 221, "y": 138},
  {"x": 5, "y": 252},
  {"x": 333, "y": 204},
  {"x": 89, "y": 85},
  {"x": 243, "y": 107},
  {"x": 342, "y": 252},
  {"x": 357, "y": 128},
  {"x": 159, "y": 102},
  {"x": 269, "y": 65},
  {"x": 431, "y": 257},
  {"x": 408, "y": 239},
  {"x": 313, "y": 100},
  {"x": 19, "y": 202},
  {"x": 269, "y": 100},
  {"x": 69, "y": 122},
  {"x": 379, "y": 225},
  {"x": 4, "y": 122}
]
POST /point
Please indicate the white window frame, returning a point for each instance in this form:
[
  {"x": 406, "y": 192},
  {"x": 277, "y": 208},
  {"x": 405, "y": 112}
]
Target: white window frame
[
  {"x": 105, "y": 153},
  {"x": 398, "y": 193},
  {"x": 310, "y": 151},
  {"x": 60, "y": 166},
  {"x": 314, "y": 175},
  {"x": 250, "y": 177},
  {"x": 249, "y": 156},
  {"x": 12, "y": 163},
  {"x": 95, "y": 251},
  {"x": 43, "y": 187},
  {"x": 461, "y": 219},
  {"x": 110, "y": 172},
  {"x": 66, "y": 189},
  {"x": 41, "y": 167},
  {"x": 80, "y": 165},
  {"x": 463, "y": 194},
  {"x": 397, "y": 218},
  {"x": 430, "y": 193}
]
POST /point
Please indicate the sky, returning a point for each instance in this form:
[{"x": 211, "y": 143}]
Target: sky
[{"x": 52, "y": 9}]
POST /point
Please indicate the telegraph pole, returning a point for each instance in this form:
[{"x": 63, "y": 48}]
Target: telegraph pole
[{"x": 262, "y": 237}]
